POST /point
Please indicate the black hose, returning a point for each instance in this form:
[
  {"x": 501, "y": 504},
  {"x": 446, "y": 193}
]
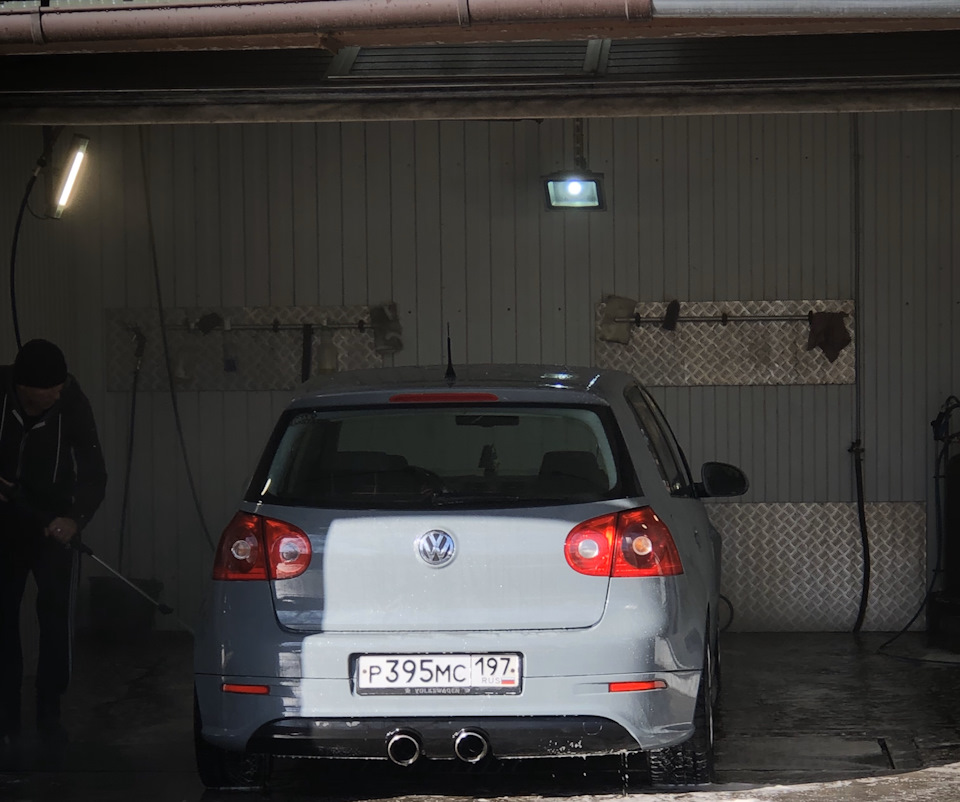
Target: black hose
[
  {"x": 937, "y": 565},
  {"x": 13, "y": 254},
  {"x": 129, "y": 466},
  {"x": 857, "y": 450},
  {"x": 941, "y": 432},
  {"x": 729, "y": 604},
  {"x": 166, "y": 345},
  {"x": 50, "y": 135}
]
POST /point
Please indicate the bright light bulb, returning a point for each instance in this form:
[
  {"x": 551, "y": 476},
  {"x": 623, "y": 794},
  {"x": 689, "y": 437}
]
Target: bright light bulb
[
  {"x": 642, "y": 546},
  {"x": 573, "y": 192},
  {"x": 71, "y": 179},
  {"x": 79, "y": 150}
]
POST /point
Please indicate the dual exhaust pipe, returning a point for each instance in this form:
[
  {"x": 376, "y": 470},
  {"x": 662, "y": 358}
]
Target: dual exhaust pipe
[{"x": 404, "y": 747}]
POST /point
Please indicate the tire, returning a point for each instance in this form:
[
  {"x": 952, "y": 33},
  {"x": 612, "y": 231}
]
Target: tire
[
  {"x": 221, "y": 768},
  {"x": 691, "y": 762},
  {"x": 717, "y": 670}
]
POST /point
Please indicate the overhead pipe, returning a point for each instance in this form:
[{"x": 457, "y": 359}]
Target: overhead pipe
[
  {"x": 49, "y": 24},
  {"x": 807, "y": 9},
  {"x": 21, "y": 26}
]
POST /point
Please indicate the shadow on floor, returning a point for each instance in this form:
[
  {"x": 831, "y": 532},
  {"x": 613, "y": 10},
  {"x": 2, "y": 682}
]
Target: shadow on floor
[{"x": 794, "y": 709}]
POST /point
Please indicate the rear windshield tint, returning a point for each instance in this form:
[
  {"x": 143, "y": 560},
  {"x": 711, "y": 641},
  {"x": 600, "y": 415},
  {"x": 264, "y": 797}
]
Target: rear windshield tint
[{"x": 428, "y": 456}]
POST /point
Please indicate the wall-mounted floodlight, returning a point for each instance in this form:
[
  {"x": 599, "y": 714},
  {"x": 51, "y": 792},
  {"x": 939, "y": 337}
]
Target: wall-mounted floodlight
[
  {"x": 578, "y": 188},
  {"x": 78, "y": 150},
  {"x": 574, "y": 190}
]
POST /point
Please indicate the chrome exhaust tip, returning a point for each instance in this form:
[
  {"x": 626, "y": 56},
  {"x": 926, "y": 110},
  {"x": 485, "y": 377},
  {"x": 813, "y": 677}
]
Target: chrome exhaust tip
[
  {"x": 403, "y": 748},
  {"x": 471, "y": 746}
]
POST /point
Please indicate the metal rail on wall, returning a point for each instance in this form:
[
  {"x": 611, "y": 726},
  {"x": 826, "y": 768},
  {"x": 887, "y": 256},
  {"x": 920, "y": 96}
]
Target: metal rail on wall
[
  {"x": 328, "y": 353},
  {"x": 669, "y": 320},
  {"x": 213, "y": 321},
  {"x": 254, "y": 348},
  {"x": 765, "y": 346}
]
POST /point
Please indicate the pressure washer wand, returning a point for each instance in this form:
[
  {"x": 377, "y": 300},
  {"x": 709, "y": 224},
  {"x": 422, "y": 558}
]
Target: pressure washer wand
[{"x": 83, "y": 548}]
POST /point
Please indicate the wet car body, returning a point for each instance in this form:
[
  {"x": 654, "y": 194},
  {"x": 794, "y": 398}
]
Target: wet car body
[{"x": 511, "y": 563}]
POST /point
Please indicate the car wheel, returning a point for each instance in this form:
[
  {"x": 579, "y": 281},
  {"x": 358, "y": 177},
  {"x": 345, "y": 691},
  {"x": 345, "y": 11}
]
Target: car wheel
[
  {"x": 690, "y": 763},
  {"x": 221, "y": 768}
]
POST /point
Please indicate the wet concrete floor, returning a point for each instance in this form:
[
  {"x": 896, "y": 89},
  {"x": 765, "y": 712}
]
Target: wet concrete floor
[{"x": 802, "y": 717}]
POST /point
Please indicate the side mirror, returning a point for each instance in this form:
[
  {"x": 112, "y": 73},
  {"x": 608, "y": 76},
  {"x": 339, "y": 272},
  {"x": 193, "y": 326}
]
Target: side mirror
[{"x": 721, "y": 479}]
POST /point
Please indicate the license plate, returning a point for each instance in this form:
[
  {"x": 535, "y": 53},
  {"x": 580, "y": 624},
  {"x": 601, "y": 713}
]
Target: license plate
[{"x": 425, "y": 674}]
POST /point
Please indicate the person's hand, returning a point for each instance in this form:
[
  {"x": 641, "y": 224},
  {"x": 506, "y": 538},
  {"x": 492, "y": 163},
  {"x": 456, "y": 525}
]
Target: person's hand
[
  {"x": 4, "y": 484},
  {"x": 61, "y": 529}
]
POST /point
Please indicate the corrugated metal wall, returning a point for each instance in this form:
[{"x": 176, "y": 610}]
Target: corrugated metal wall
[{"x": 447, "y": 220}]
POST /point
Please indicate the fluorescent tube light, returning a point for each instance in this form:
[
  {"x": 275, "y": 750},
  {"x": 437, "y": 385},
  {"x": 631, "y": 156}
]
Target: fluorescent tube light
[{"x": 77, "y": 152}]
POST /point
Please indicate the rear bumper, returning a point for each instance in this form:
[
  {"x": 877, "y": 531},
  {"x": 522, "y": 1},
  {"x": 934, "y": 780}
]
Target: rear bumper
[
  {"x": 552, "y": 717},
  {"x": 566, "y": 676},
  {"x": 544, "y": 736}
]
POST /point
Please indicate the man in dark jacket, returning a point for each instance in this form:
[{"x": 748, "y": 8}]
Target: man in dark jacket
[{"x": 52, "y": 479}]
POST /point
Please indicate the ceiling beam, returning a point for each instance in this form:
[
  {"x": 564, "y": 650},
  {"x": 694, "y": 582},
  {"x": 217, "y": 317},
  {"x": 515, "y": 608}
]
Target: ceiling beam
[{"x": 268, "y": 107}]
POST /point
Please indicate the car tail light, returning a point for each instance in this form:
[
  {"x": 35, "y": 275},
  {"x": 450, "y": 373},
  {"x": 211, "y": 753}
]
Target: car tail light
[
  {"x": 630, "y": 543},
  {"x": 255, "y": 547},
  {"x": 589, "y": 546}
]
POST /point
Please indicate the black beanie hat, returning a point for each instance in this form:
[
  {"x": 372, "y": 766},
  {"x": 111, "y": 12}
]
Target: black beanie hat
[{"x": 40, "y": 364}]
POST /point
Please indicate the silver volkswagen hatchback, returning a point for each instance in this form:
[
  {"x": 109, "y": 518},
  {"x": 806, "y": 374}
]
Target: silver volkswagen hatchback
[{"x": 505, "y": 562}]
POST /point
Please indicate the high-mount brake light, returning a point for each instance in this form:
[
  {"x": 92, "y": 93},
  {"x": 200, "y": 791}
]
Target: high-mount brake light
[
  {"x": 255, "y": 547},
  {"x": 629, "y": 543},
  {"x": 443, "y": 398}
]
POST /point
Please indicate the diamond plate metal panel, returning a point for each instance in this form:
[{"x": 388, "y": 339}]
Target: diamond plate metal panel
[
  {"x": 799, "y": 567},
  {"x": 266, "y": 357},
  {"x": 740, "y": 352}
]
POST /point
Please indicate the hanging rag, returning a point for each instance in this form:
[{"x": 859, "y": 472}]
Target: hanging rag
[
  {"x": 829, "y": 333},
  {"x": 616, "y": 320},
  {"x": 672, "y": 315},
  {"x": 387, "y": 329}
]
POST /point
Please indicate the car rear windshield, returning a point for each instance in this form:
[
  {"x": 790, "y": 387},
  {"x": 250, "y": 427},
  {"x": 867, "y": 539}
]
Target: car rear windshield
[{"x": 429, "y": 456}]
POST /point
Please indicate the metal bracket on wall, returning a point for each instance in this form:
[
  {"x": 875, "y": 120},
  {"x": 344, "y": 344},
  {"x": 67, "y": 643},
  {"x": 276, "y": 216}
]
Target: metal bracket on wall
[
  {"x": 213, "y": 322},
  {"x": 384, "y": 323},
  {"x": 781, "y": 343},
  {"x": 669, "y": 321},
  {"x": 252, "y": 348}
]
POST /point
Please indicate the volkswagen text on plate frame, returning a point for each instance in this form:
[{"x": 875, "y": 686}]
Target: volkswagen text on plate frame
[{"x": 513, "y": 564}]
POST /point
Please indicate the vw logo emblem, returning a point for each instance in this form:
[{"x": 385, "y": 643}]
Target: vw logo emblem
[{"x": 436, "y": 548}]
